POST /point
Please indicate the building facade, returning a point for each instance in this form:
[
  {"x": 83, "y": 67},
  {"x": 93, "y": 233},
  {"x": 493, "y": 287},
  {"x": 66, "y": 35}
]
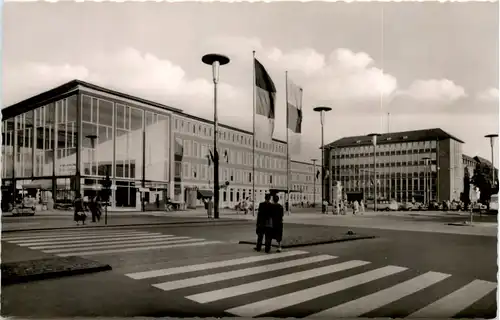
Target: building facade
[
  {"x": 417, "y": 165},
  {"x": 66, "y": 140}
]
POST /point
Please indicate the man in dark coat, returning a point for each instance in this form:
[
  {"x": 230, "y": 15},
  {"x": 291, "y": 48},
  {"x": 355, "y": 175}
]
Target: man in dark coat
[
  {"x": 264, "y": 224},
  {"x": 277, "y": 214}
]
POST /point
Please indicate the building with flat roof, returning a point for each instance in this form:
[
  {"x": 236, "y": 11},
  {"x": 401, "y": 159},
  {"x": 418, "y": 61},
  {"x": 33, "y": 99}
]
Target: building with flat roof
[
  {"x": 65, "y": 140},
  {"x": 403, "y": 173}
]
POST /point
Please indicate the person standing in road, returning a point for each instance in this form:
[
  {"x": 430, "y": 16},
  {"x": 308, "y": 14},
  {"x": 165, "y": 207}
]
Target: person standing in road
[
  {"x": 264, "y": 224},
  {"x": 277, "y": 213}
]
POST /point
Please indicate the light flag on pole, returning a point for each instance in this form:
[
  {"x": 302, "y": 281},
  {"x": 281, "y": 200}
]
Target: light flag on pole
[
  {"x": 265, "y": 102},
  {"x": 294, "y": 116}
]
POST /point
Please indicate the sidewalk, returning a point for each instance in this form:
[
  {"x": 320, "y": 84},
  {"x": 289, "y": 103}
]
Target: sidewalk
[{"x": 114, "y": 220}]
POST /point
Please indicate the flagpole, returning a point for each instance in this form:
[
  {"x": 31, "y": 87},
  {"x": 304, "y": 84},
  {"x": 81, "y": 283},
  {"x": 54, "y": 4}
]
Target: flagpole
[
  {"x": 287, "y": 149},
  {"x": 253, "y": 139}
]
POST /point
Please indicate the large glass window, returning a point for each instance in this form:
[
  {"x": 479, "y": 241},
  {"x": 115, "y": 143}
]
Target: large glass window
[
  {"x": 8, "y": 148},
  {"x": 129, "y": 147},
  {"x": 157, "y": 146},
  {"x": 24, "y": 142},
  {"x": 45, "y": 128},
  {"x": 66, "y": 137},
  {"x": 97, "y": 136}
]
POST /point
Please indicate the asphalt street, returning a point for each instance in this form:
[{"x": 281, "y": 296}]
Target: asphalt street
[{"x": 202, "y": 271}]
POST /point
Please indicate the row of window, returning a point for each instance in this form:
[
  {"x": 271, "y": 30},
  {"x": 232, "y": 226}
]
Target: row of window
[
  {"x": 195, "y": 149},
  {"x": 192, "y": 127},
  {"x": 385, "y": 147}
]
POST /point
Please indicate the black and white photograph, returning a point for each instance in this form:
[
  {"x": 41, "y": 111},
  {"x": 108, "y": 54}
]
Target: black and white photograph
[{"x": 277, "y": 159}]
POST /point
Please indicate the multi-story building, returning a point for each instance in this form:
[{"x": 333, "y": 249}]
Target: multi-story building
[
  {"x": 66, "y": 140},
  {"x": 421, "y": 164}
]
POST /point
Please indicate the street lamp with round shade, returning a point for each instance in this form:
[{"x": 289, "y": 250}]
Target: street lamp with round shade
[
  {"x": 314, "y": 186},
  {"x": 322, "y": 110},
  {"x": 215, "y": 60},
  {"x": 427, "y": 183},
  {"x": 374, "y": 143},
  {"x": 492, "y": 138}
]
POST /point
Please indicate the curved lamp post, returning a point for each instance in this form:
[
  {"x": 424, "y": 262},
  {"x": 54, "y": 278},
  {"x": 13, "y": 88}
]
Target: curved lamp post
[
  {"x": 322, "y": 110},
  {"x": 215, "y": 60},
  {"x": 374, "y": 142},
  {"x": 314, "y": 185},
  {"x": 492, "y": 138},
  {"x": 427, "y": 183}
]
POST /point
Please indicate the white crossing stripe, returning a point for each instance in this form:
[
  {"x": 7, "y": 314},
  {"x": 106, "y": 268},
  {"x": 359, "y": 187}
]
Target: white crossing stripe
[
  {"x": 70, "y": 244},
  {"x": 358, "y": 307},
  {"x": 457, "y": 301},
  {"x": 68, "y": 234},
  {"x": 280, "y": 302},
  {"x": 273, "y": 282},
  {"x": 95, "y": 239},
  {"x": 210, "y": 265},
  {"x": 122, "y": 245},
  {"x": 90, "y": 253},
  {"x": 77, "y": 238},
  {"x": 172, "y": 285}
]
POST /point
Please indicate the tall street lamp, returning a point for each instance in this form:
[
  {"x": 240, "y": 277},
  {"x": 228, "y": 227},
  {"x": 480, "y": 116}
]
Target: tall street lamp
[
  {"x": 322, "y": 110},
  {"x": 374, "y": 142},
  {"x": 314, "y": 186},
  {"x": 492, "y": 138},
  {"x": 427, "y": 178},
  {"x": 215, "y": 60}
]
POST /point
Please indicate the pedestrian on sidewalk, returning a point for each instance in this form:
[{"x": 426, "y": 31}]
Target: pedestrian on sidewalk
[
  {"x": 277, "y": 214},
  {"x": 355, "y": 207},
  {"x": 362, "y": 206},
  {"x": 209, "y": 206},
  {"x": 79, "y": 214},
  {"x": 264, "y": 226}
]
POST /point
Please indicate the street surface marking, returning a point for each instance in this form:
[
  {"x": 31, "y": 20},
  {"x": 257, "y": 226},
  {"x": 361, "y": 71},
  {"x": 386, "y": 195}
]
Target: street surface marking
[
  {"x": 273, "y": 282},
  {"x": 210, "y": 265},
  {"x": 94, "y": 239},
  {"x": 76, "y": 238},
  {"x": 58, "y": 233},
  {"x": 123, "y": 245},
  {"x": 65, "y": 234},
  {"x": 287, "y": 300},
  {"x": 358, "y": 307},
  {"x": 185, "y": 283},
  {"x": 90, "y": 253},
  {"x": 107, "y": 241},
  {"x": 457, "y": 301}
]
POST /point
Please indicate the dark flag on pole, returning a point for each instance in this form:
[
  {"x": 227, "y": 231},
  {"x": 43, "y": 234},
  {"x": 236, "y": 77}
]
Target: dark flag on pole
[{"x": 265, "y": 98}]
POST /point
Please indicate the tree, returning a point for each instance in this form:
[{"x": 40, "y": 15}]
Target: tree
[
  {"x": 482, "y": 179},
  {"x": 465, "y": 195}
]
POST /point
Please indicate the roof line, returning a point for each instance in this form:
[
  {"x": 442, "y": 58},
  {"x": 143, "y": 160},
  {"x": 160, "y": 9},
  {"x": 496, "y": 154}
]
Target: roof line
[{"x": 66, "y": 87}]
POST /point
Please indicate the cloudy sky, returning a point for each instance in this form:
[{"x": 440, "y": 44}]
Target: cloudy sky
[{"x": 428, "y": 64}]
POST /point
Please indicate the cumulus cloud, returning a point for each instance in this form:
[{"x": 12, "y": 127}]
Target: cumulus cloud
[
  {"x": 128, "y": 70},
  {"x": 442, "y": 91},
  {"x": 488, "y": 95}
]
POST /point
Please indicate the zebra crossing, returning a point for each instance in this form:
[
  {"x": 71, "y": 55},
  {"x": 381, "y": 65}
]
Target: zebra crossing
[
  {"x": 100, "y": 242},
  {"x": 250, "y": 288}
]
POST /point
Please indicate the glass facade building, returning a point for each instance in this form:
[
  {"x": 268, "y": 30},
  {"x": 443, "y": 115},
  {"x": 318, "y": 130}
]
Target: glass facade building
[
  {"x": 416, "y": 165},
  {"x": 66, "y": 140}
]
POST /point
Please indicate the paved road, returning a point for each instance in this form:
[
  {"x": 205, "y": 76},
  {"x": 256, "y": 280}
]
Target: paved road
[{"x": 201, "y": 271}]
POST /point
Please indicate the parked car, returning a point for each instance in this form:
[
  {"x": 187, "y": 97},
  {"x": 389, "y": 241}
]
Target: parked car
[
  {"x": 494, "y": 204},
  {"x": 407, "y": 206}
]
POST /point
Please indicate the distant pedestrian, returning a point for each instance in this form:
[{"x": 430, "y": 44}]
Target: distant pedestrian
[
  {"x": 209, "y": 206},
  {"x": 362, "y": 206},
  {"x": 157, "y": 201},
  {"x": 79, "y": 214},
  {"x": 355, "y": 207},
  {"x": 277, "y": 214},
  {"x": 264, "y": 226}
]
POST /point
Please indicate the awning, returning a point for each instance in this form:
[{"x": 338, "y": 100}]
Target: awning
[{"x": 205, "y": 194}]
